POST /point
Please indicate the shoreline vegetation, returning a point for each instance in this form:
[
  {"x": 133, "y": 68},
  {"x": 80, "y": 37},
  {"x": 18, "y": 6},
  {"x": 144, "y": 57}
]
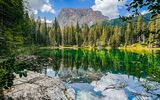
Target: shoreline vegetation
[
  {"x": 130, "y": 48},
  {"x": 134, "y": 49},
  {"x": 124, "y": 48}
]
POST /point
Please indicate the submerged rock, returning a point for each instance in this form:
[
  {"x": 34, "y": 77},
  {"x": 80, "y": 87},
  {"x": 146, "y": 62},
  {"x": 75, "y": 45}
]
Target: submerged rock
[
  {"x": 27, "y": 57},
  {"x": 36, "y": 87}
]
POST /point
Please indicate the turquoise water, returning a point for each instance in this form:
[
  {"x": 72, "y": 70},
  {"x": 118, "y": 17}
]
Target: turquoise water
[
  {"x": 78, "y": 68},
  {"x": 145, "y": 65}
]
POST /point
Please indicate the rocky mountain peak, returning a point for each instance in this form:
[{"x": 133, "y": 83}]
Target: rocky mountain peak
[{"x": 69, "y": 16}]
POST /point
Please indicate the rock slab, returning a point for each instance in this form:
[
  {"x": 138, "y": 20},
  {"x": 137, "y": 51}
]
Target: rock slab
[{"x": 36, "y": 87}]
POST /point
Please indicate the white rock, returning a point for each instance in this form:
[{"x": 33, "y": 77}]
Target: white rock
[
  {"x": 37, "y": 87},
  {"x": 121, "y": 87},
  {"x": 113, "y": 94},
  {"x": 83, "y": 95},
  {"x": 71, "y": 93}
]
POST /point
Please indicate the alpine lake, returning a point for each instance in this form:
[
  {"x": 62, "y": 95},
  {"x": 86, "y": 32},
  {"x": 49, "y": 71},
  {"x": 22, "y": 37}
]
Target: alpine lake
[{"x": 93, "y": 74}]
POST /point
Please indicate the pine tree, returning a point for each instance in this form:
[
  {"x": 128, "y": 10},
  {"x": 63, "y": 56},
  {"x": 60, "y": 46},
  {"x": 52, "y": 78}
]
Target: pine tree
[
  {"x": 93, "y": 37},
  {"x": 139, "y": 29},
  {"x": 77, "y": 33},
  {"x": 158, "y": 29},
  {"x": 42, "y": 34},
  {"x": 57, "y": 32},
  {"x": 63, "y": 36},
  {"x": 33, "y": 29},
  {"x": 115, "y": 39},
  {"x": 139, "y": 24},
  {"x": 38, "y": 25},
  {"x": 158, "y": 24},
  {"x": 72, "y": 35},
  {"x": 144, "y": 30},
  {"x": 103, "y": 37},
  {"x": 127, "y": 34},
  {"x": 51, "y": 37},
  {"x": 85, "y": 32},
  {"x": 27, "y": 29},
  {"x": 46, "y": 37},
  {"x": 152, "y": 30}
]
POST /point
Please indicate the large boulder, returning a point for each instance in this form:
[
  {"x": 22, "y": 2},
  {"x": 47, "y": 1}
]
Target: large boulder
[{"x": 36, "y": 87}]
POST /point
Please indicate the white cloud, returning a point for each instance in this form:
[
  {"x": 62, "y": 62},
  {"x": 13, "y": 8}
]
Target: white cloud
[
  {"x": 47, "y": 21},
  {"x": 108, "y": 7},
  {"x": 47, "y": 8},
  {"x": 35, "y": 12},
  {"x": 41, "y": 5},
  {"x": 53, "y": 11},
  {"x": 144, "y": 12}
]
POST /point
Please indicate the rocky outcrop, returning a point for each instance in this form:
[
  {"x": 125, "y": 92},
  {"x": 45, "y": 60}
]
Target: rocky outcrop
[
  {"x": 69, "y": 16},
  {"x": 36, "y": 87}
]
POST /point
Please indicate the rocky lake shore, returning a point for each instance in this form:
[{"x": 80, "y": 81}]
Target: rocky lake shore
[
  {"x": 37, "y": 87},
  {"x": 40, "y": 87},
  {"x": 65, "y": 85}
]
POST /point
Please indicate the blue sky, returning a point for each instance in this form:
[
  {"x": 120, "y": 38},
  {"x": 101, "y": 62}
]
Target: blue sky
[
  {"x": 51, "y": 8},
  {"x": 59, "y": 4}
]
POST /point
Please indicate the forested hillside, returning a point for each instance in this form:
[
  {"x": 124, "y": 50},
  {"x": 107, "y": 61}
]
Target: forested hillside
[
  {"x": 18, "y": 28},
  {"x": 133, "y": 31},
  {"x": 120, "y": 22}
]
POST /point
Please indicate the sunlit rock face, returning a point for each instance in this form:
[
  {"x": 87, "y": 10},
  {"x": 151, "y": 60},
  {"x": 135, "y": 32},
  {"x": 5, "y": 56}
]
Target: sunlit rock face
[{"x": 69, "y": 16}]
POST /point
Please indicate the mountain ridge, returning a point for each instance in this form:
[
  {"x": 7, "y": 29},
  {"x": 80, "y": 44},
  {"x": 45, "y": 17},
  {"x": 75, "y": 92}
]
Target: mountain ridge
[{"x": 69, "y": 16}]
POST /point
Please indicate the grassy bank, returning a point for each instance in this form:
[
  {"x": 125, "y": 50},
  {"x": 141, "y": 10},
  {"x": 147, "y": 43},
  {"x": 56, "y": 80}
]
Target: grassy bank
[
  {"x": 132, "y": 47},
  {"x": 136, "y": 48}
]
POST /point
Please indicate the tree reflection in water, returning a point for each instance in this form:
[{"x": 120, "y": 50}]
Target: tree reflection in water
[{"x": 69, "y": 63}]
